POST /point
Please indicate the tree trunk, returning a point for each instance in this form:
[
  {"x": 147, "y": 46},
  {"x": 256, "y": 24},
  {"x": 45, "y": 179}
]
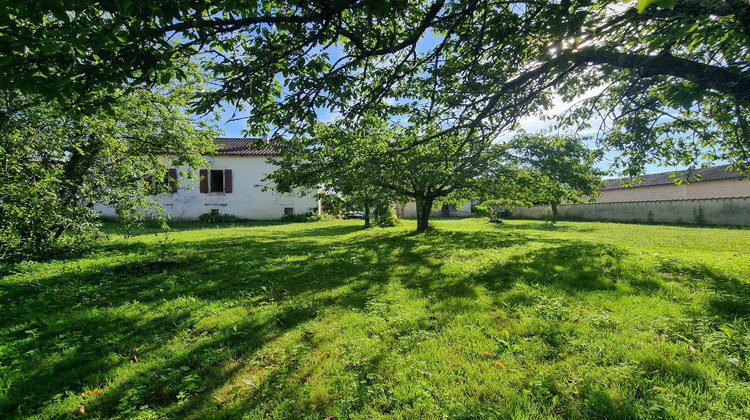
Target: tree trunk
[
  {"x": 367, "y": 213},
  {"x": 60, "y": 231},
  {"x": 424, "y": 206},
  {"x": 554, "y": 210}
]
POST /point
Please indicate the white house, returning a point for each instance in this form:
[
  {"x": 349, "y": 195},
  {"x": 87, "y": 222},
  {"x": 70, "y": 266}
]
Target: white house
[{"x": 231, "y": 186}]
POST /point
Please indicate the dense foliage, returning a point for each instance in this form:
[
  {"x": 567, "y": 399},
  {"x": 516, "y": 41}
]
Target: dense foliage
[
  {"x": 556, "y": 169},
  {"x": 376, "y": 162},
  {"x": 57, "y": 162},
  {"x": 670, "y": 77}
]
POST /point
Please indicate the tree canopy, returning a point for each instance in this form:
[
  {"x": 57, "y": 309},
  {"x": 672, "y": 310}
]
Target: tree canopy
[
  {"x": 556, "y": 169},
  {"x": 671, "y": 77},
  {"x": 374, "y": 154},
  {"x": 57, "y": 163}
]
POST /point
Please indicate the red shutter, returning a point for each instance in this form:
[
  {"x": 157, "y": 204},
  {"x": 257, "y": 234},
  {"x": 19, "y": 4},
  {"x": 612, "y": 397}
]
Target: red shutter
[
  {"x": 172, "y": 173},
  {"x": 149, "y": 184},
  {"x": 204, "y": 181},
  {"x": 227, "y": 180}
]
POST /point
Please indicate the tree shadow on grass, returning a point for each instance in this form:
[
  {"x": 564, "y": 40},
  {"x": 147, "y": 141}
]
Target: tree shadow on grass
[
  {"x": 729, "y": 297},
  {"x": 77, "y": 326},
  {"x": 569, "y": 267},
  {"x": 149, "y": 227},
  {"x": 733, "y": 297},
  {"x": 85, "y": 323},
  {"x": 543, "y": 226},
  {"x": 60, "y": 322}
]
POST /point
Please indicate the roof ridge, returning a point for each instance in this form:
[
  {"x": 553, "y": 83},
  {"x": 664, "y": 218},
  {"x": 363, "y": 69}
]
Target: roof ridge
[{"x": 713, "y": 173}]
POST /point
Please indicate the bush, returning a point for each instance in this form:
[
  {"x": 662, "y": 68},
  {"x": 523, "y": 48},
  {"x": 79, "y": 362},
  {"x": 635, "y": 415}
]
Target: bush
[
  {"x": 218, "y": 218},
  {"x": 14, "y": 249},
  {"x": 699, "y": 217},
  {"x": 493, "y": 215},
  {"x": 479, "y": 211},
  {"x": 388, "y": 220},
  {"x": 301, "y": 218}
]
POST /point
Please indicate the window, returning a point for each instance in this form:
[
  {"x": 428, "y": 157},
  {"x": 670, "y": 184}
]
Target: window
[
  {"x": 169, "y": 180},
  {"x": 215, "y": 181},
  {"x": 288, "y": 211}
]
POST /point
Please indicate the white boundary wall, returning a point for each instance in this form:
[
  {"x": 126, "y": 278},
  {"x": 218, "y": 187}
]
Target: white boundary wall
[{"x": 716, "y": 211}]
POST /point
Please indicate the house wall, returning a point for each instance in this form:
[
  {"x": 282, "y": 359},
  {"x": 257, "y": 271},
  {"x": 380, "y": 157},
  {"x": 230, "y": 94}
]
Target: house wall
[
  {"x": 246, "y": 200},
  {"x": 724, "y": 188},
  {"x": 716, "y": 211},
  {"x": 410, "y": 210}
]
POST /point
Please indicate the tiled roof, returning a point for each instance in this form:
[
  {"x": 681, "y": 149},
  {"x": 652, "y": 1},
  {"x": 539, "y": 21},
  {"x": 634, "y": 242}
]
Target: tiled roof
[
  {"x": 715, "y": 173},
  {"x": 240, "y": 146}
]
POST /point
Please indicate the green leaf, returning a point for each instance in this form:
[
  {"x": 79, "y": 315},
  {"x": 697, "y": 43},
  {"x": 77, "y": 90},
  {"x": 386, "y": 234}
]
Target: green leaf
[
  {"x": 51, "y": 47},
  {"x": 666, "y": 4},
  {"x": 61, "y": 15},
  {"x": 643, "y": 4}
]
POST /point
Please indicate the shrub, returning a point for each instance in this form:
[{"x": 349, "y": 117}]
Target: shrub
[
  {"x": 493, "y": 215},
  {"x": 218, "y": 218},
  {"x": 14, "y": 249},
  {"x": 388, "y": 220},
  {"x": 479, "y": 211},
  {"x": 326, "y": 217},
  {"x": 300, "y": 218},
  {"x": 699, "y": 216}
]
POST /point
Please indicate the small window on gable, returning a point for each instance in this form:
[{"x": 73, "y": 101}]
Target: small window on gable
[{"x": 288, "y": 211}]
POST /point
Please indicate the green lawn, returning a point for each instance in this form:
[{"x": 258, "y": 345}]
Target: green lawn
[{"x": 520, "y": 320}]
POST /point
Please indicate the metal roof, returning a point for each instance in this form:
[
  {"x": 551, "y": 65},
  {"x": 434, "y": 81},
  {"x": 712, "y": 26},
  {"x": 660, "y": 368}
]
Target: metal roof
[{"x": 715, "y": 173}]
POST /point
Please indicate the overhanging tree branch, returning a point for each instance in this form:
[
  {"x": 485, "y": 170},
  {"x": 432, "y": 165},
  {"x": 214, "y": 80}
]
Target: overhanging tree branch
[{"x": 719, "y": 79}]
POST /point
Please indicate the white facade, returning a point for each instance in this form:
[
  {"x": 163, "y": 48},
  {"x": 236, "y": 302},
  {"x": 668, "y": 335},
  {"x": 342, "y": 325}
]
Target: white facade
[{"x": 246, "y": 199}]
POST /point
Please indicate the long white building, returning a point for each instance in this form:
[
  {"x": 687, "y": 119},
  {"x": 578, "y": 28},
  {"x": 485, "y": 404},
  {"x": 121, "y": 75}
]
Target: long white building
[{"x": 231, "y": 185}]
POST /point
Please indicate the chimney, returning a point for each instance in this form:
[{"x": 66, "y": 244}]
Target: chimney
[{"x": 265, "y": 138}]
